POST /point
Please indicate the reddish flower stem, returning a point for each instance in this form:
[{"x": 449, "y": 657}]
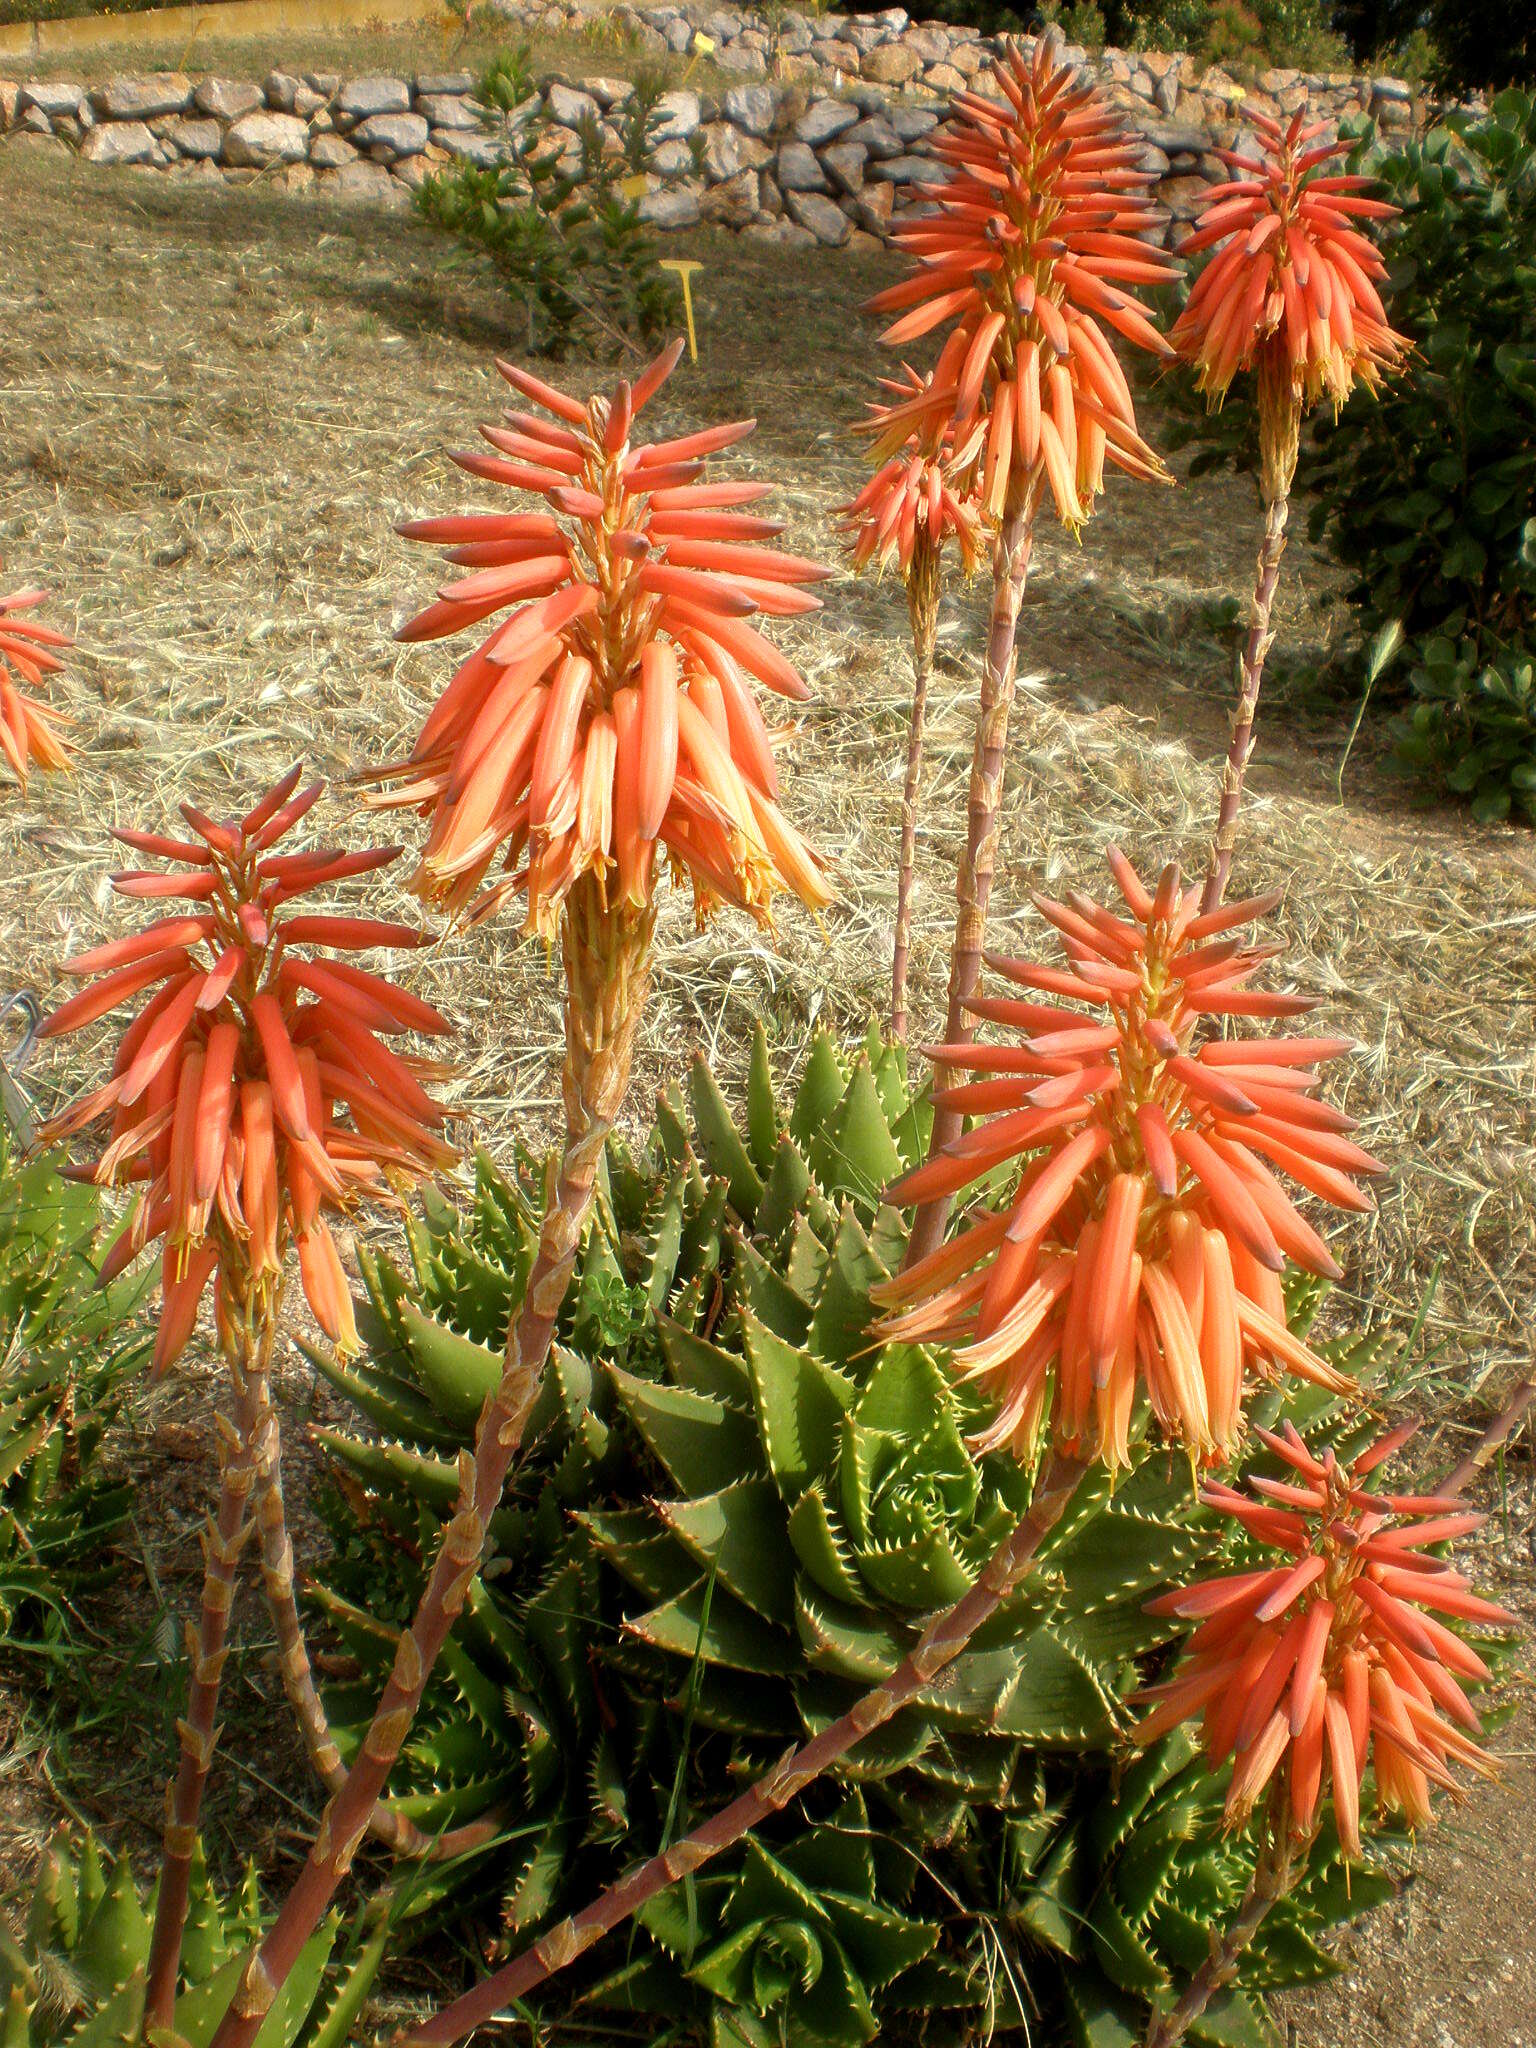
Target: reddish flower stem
[
  {"x": 607, "y": 964},
  {"x": 978, "y": 863},
  {"x": 249, "y": 1353},
  {"x": 394, "y": 1829},
  {"x": 940, "y": 1643},
  {"x": 923, "y": 605},
  {"x": 1272, "y": 1879},
  {"x": 1251, "y": 675},
  {"x": 1497, "y": 1434}
]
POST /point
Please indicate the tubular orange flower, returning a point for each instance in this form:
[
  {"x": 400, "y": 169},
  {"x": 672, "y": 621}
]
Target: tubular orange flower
[
  {"x": 1027, "y": 248},
  {"x": 229, "y": 1087},
  {"x": 1145, "y": 1241},
  {"x": 923, "y": 497},
  {"x": 29, "y": 729},
  {"x": 1336, "y": 1655},
  {"x": 1291, "y": 290},
  {"x": 613, "y": 708}
]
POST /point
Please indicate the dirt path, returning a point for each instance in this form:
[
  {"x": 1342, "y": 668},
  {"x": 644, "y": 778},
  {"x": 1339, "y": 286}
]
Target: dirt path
[{"x": 217, "y": 404}]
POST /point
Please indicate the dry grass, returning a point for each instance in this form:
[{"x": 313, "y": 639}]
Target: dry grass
[
  {"x": 218, "y": 403},
  {"x": 601, "y": 48}
]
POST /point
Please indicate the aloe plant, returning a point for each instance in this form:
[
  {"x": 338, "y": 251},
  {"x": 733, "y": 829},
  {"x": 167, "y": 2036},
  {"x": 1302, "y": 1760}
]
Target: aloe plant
[
  {"x": 730, "y": 1517},
  {"x": 67, "y": 1348},
  {"x": 73, "y": 1973}
]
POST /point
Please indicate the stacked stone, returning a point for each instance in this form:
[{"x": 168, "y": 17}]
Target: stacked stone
[
  {"x": 814, "y": 140},
  {"x": 362, "y": 138}
]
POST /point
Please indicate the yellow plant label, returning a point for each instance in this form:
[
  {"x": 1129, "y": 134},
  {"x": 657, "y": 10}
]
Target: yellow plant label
[
  {"x": 635, "y": 187},
  {"x": 683, "y": 268}
]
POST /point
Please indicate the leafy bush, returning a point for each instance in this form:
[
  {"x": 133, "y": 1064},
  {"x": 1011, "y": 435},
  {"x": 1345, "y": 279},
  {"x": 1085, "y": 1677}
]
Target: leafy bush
[
  {"x": 1472, "y": 731},
  {"x": 574, "y": 251},
  {"x": 66, "y": 1348},
  {"x": 1253, "y": 32},
  {"x": 1461, "y": 48},
  {"x": 73, "y": 1972},
  {"x": 729, "y": 1518},
  {"x": 69, "y": 10},
  {"x": 1429, "y": 496}
]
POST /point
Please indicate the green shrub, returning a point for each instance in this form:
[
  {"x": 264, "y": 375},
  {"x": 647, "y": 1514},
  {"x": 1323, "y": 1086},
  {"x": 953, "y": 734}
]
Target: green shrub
[
  {"x": 67, "y": 1348},
  {"x": 1254, "y": 33},
  {"x": 1428, "y": 496},
  {"x": 68, "y": 10},
  {"x": 1080, "y": 21},
  {"x": 729, "y": 1517},
  {"x": 1484, "y": 47},
  {"x": 1472, "y": 731},
  {"x": 576, "y": 256}
]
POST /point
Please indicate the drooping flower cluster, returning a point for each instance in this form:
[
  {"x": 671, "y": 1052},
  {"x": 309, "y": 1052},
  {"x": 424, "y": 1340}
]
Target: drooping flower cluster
[
  {"x": 29, "y": 729},
  {"x": 229, "y": 1088},
  {"x": 925, "y": 496},
  {"x": 1291, "y": 291},
  {"x": 1026, "y": 247},
  {"x": 1144, "y": 1245},
  {"x": 612, "y": 710},
  {"x": 1335, "y": 1655}
]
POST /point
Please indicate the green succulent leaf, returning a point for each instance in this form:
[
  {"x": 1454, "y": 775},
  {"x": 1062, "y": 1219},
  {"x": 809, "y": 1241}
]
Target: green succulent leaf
[
  {"x": 702, "y": 1443},
  {"x": 87, "y": 1937},
  {"x": 739, "y": 1534},
  {"x": 800, "y": 1401}
]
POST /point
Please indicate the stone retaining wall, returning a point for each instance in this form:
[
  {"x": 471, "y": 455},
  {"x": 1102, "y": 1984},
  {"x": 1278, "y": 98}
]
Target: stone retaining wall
[{"x": 820, "y": 127}]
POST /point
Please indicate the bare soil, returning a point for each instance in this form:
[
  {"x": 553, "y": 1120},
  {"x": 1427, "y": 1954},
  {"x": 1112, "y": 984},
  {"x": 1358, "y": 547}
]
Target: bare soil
[{"x": 218, "y": 403}]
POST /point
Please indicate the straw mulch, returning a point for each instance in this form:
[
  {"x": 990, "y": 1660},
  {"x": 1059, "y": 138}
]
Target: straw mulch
[{"x": 219, "y": 403}]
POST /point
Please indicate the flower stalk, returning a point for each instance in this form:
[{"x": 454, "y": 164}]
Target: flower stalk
[
  {"x": 923, "y": 610},
  {"x": 607, "y": 962},
  {"x": 254, "y": 1099},
  {"x": 923, "y": 498},
  {"x": 941, "y": 1642},
  {"x": 1277, "y": 1869},
  {"x": 978, "y": 863},
  {"x": 1290, "y": 295},
  {"x": 1027, "y": 246},
  {"x": 608, "y": 718},
  {"x": 248, "y": 1343},
  {"x": 1261, "y": 633},
  {"x": 1039, "y": 1343},
  {"x": 394, "y": 1829}
]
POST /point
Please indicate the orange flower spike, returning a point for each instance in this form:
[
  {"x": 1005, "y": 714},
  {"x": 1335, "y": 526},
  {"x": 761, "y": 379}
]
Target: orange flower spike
[
  {"x": 253, "y": 1093},
  {"x": 29, "y": 729},
  {"x": 1145, "y": 1240},
  {"x": 925, "y": 495},
  {"x": 1290, "y": 291},
  {"x": 1031, "y": 246},
  {"x": 556, "y": 746},
  {"x": 1333, "y": 1656}
]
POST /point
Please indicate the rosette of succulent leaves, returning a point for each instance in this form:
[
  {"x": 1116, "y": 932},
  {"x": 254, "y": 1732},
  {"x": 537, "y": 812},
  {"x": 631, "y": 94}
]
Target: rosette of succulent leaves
[{"x": 731, "y": 1515}]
